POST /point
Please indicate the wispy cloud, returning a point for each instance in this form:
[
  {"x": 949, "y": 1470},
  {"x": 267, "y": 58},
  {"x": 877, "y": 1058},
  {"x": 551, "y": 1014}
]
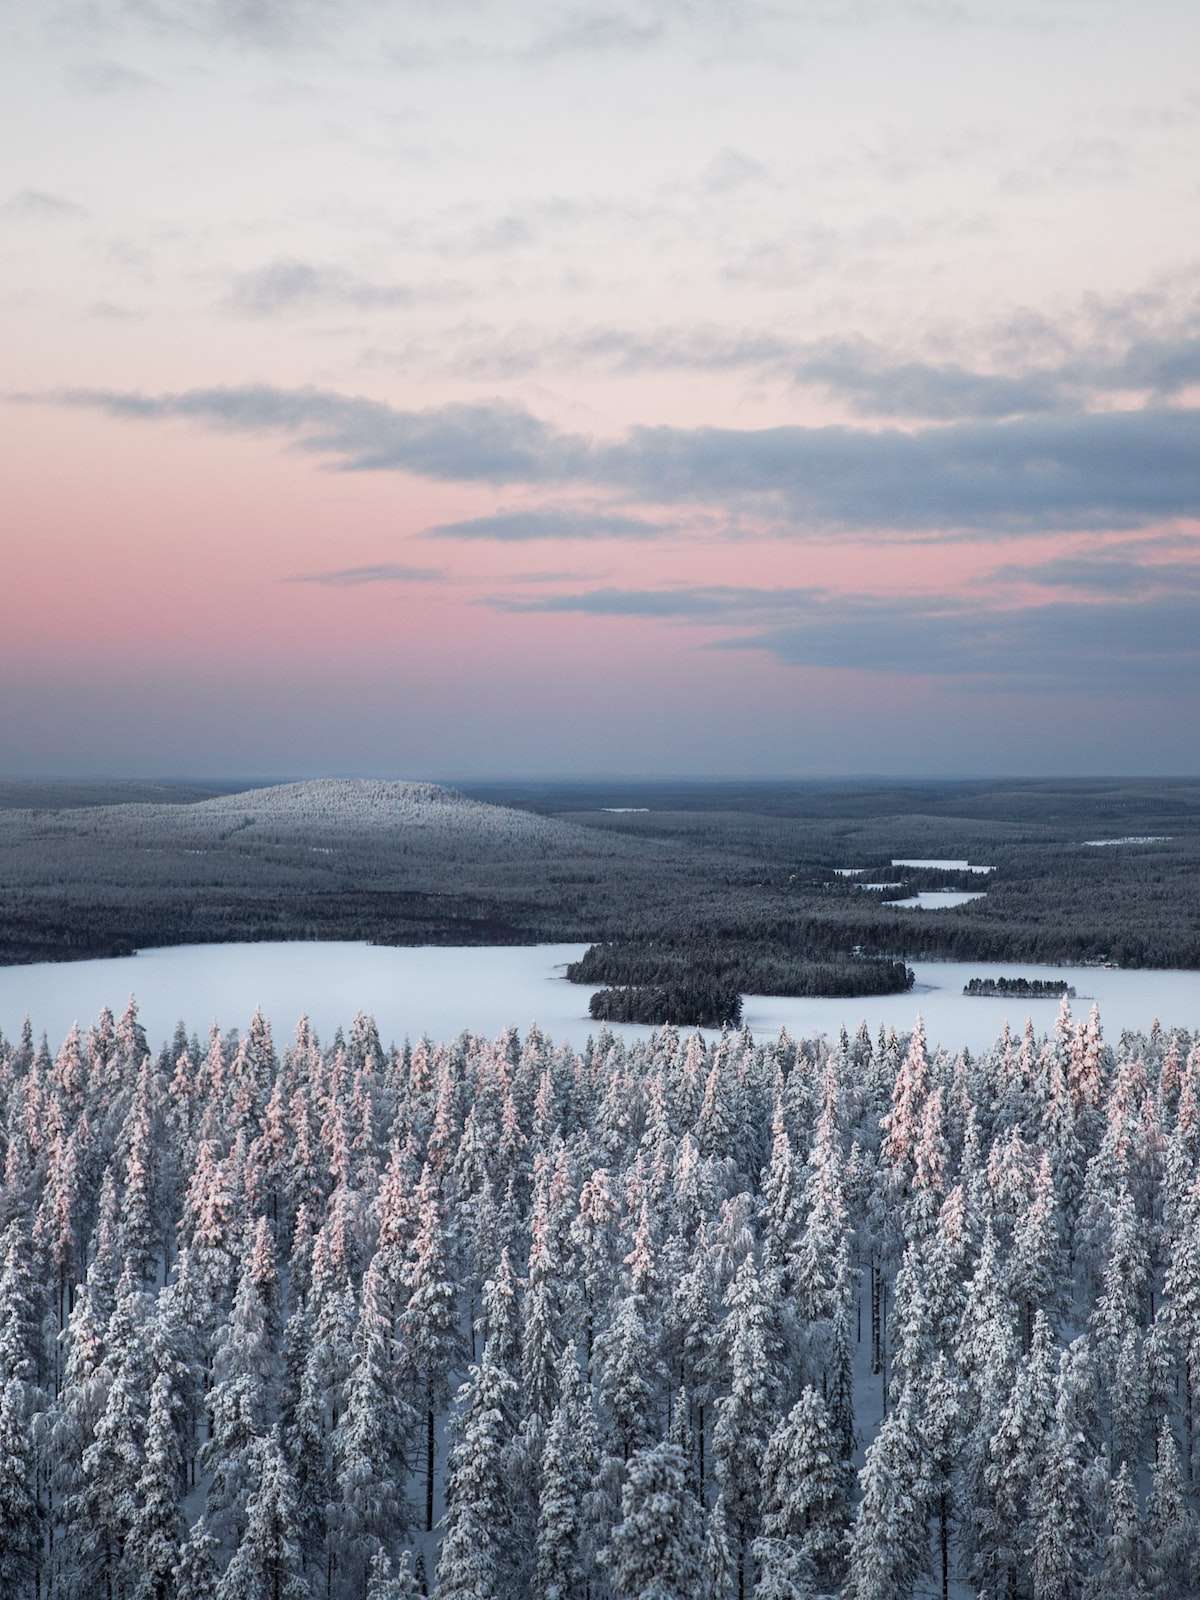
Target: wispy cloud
[
  {"x": 103, "y": 78},
  {"x": 288, "y": 284},
  {"x": 1088, "y": 471},
  {"x": 549, "y": 522},
  {"x": 861, "y": 375},
  {"x": 382, "y": 572},
  {"x": 1076, "y": 646},
  {"x": 38, "y": 205},
  {"x": 724, "y": 603},
  {"x": 1102, "y": 572}
]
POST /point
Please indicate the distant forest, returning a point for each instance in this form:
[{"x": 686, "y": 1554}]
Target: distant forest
[{"x": 751, "y": 865}]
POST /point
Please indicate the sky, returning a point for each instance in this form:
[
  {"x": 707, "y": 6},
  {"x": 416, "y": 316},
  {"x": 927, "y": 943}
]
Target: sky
[{"x": 633, "y": 387}]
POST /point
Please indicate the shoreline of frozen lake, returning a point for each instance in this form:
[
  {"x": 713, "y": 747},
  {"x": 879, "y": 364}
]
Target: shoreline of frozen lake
[
  {"x": 443, "y": 989},
  {"x": 938, "y": 899}
]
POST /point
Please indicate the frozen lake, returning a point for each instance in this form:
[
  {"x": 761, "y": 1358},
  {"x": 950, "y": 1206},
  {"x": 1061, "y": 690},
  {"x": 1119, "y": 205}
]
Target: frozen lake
[
  {"x": 939, "y": 899},
  {"x": 440, "y": 990}
]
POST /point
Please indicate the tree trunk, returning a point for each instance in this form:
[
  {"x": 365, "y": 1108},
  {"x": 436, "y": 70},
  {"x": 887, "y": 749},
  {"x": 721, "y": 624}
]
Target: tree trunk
[
  {"x": 1187, "y": 1394},
  {"x": 429, "y": 1470}
]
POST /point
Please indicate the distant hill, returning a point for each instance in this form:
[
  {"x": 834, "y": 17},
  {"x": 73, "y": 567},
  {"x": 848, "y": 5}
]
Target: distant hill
[{"x": 327, "y": 858}]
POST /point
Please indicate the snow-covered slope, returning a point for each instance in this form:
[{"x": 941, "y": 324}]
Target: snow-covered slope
[{"x": 371, "y": 803}]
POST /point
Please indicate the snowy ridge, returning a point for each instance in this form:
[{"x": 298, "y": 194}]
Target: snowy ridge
[
  {"x": 318, "y": 806},
  {"x": 374, "y": 803}
]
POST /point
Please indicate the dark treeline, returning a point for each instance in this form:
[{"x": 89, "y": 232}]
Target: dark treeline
[
  {"x": 739, "y": 966},
  {"x": 682, "y": 1318},
  {"x": 1022, "y": 988},
  {"x": 697, "y": 1000}
]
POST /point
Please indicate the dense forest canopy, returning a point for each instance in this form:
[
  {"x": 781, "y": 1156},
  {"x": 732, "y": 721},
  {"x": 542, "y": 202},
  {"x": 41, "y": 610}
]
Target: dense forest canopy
[{"x": 677, "y": 1318}]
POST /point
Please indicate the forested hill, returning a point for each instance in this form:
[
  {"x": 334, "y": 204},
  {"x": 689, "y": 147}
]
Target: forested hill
[{"x": 335, "y": 858}]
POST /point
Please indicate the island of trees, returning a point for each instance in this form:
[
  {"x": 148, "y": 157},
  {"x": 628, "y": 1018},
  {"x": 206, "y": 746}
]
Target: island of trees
[
  {"x": 700, "y": 1001},
  {"x": 1021, "y": 988},
  {"x": 699, "y": 968}
]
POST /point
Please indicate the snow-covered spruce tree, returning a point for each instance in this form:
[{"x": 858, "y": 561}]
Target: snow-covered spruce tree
[
  {"x": 369, "y": 1514},
  {"x": 195, "y": 1574},
  {"x": 1171, "y": 1526},
  {"x": 482, "y": 1551},
  {"x": 1016, "y": 1452},
  {"x": 744, "y": 1414},
  {"x": 20, "y": 1308},
  {"x": 561, "y": 1565},
  {"x": 106, "y": 1496},
  {"x": 19, "y": 1531},
  {"x": 1064, "y": 1543},
  {"x": 241, "y": 1399},
  {"x": 656, "y": 1549},
  {"x": 543, "y": 1334},
  {"x": 156, "y": 1531},
  {"x": 429, "y": 1326},
  {"x": 719, "y": 1567},
  {"x": 805, "y": 1488},
  {"x": 386, "y": 1582},
  {"x": 783, "y": 1570},
  {"x": 889, "y": 1544},
  {"x": 1126, "y": 1563},
  {"x": 630, "y": 1375},
  {"x": 940, "y": 1423},
  {"x": 266, "y": 1564}
]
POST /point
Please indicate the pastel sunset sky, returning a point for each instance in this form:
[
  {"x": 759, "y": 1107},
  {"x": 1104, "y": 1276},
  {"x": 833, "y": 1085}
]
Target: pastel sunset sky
[{"x": 655, "y": 386}]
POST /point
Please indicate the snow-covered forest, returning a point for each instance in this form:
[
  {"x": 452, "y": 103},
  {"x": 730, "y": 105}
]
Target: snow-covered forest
[{"x": 495, "y": 1319}]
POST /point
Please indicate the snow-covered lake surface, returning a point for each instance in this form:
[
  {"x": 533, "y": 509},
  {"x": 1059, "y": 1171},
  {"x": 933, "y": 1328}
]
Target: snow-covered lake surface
[
  {"x": 939, "y": 864},
  {"x": 441, "y": 990},
  {"x": 938, "y": 899},
  {"x": 1133, "y": 838}
]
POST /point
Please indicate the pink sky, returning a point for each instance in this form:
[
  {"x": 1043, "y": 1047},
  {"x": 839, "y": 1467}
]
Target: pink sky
[{"x": 900, "y": 367}]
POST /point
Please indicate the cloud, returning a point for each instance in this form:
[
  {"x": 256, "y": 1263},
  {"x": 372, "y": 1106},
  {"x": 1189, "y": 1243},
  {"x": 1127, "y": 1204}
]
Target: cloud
[
  {"x": 36, "y": 205},
  {"x": 1071, "y": 645},
  {"x": 594, "y": 33},
  {"x": 1075, "y": 647},
  {"x": 288, "y": 284},
  {"x": 874, "y": 385},
  {"x": 727, "y": 604},
  {"x": 730, "y": 170},
  {"x": 383, "y": 572},
  {"x": 867, "y": 379},
  {"x": 112, "y": 311},
  {"x": 103, "y": 78},
  {"x": 1101, "y": 573},
  {"x": 1098, "y": 472},
  {"x": 462, "y": 443},
  {"x": 1085, "y": 471},
  {"x": 548, "y": 522}
]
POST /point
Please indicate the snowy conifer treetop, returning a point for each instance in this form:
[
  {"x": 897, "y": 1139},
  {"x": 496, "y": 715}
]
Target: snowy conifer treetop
[{"x": 489, "y": 1319}]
